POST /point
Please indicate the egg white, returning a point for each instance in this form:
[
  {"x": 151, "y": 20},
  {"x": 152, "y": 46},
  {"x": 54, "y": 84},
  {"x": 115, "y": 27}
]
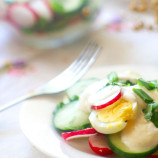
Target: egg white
[
  {"x": 114, "y": 127},
  {"x": 103, "y": 127},
  {"x": 84, "y": 103}
]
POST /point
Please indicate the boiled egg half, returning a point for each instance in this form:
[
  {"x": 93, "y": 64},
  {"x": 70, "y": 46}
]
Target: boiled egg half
[{"x": 113, "y": 118}]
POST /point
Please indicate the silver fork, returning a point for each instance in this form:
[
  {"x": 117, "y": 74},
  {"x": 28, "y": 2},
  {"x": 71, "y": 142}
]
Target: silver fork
[{"x": 67, "y": 78}]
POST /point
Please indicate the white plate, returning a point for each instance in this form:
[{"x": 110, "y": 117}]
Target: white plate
[{"x": 36, "y": 119}]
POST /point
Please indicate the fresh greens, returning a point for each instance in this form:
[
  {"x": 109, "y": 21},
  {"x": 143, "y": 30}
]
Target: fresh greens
[
  {"x": 123, "y": 83},
  {"x": 129, "y": 83},
  {"x": 154, "y": 117},
  {"x": 113, "y": 77},
  {"x": 148, "y": 112},
  {"x": 151, "y": 113},
  {"x": 114, "y": 80},
  {"x": 68, "y": 117},
  {"x": 143, "y": 95},
  {"x": 155, "y": 83},
  {"x": 63, "y": 7},
  {"x": 151, "y": 110},
  {"x": 147, "y": 84},
  {"x": 74, "y": 92}
]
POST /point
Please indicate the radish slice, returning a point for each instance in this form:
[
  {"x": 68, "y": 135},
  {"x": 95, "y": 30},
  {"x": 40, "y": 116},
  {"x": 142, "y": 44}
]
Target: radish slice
[
  {"x": 98, "y": 144},
  {"x": 155, "y": 155},
  {"x": 47, "y": 3},
  {"x": 22, "y": 15},
  {"x": 79, "y": 134},
  {"x": 41, "y": 7},
  {"x": 105, "y": 97}
]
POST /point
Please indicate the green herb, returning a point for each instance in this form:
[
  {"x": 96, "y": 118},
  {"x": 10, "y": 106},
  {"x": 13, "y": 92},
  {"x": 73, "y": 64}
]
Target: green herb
[
  {"x": 129, "y": 83},
  {"x": 143, "y": 95},
  {"x": 123, "y": 83},
  {"x": 57, "y": 7},
  {"x": 75, "y": 97},
  {"x": 59, "y": 106},
  {"x": 148, "y": 112},
  {"x": 151, "y": 113},
  {"x": 155, "y": 83},
  {"x": 154, "y": 117},
  {"x": 147, "y": 84},
  {"x": 112, "y": 77}
]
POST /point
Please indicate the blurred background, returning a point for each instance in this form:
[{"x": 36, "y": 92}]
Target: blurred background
[{"x": 40, "y": 38}]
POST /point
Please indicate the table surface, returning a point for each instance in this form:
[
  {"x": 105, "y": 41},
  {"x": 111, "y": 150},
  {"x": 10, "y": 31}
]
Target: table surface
[{"x": 119, "y": 47}]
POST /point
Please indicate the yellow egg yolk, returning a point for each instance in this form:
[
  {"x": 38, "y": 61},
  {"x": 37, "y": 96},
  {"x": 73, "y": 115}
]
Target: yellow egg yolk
[{"x": 120, "y": 111}]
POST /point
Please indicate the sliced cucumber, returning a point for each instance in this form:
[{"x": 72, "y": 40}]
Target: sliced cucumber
[
  {"x": 79, "y": 87},
  {"x": 67, "y": 6},
  {"x": 70, "y": 117},
  {"x": 115, "y": 143}
]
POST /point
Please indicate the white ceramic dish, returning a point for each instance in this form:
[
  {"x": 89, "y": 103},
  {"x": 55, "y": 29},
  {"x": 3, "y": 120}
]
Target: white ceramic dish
[{"x": 36, "y": 119}]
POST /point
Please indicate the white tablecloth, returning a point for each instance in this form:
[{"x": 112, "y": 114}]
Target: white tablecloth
[{"x": 127, "y": 47}]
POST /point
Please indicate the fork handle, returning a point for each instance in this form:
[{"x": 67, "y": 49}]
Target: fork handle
[{"x": 17, "y": 101}]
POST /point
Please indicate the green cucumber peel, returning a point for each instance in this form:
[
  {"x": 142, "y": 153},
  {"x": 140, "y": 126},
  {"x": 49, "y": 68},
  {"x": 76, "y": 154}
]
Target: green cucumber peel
[
  {"x": 68, "y": 117},
  {"x": 74, "y": 92},
  {"x": 118, "y": 147},
  {"x": 59, "y": 106}
]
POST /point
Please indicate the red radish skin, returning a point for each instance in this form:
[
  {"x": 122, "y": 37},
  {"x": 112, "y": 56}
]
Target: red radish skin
[
  {"x": 33, "y": 12},
  {"x": 48, "y": 6},
  {"x": 98, "y": 107},
  {"x": 98, "y": 144},
  {"x": 79, "y": 134},
  {"x": 155, "y": 155},
  {"x": 23, "y": 5},
  {"x": 42, "y": 9}
]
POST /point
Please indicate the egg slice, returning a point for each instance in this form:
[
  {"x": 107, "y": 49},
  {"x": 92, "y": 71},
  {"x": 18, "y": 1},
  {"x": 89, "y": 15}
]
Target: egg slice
[{"x": 113, "y": 118}]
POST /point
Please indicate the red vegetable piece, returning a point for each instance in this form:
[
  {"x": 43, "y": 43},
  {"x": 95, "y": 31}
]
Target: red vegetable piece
[
  {"x": 107, "y": 101},
  {"x": 155, "y": 155},
  {"x": 21, "y": 14},
  {"x": 98, "y": 144},
  {"x": 79, "y": 134}
]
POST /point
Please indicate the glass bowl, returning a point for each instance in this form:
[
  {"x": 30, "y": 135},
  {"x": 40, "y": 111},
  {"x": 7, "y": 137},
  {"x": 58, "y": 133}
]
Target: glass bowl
[{"x": 51, "y": 23}]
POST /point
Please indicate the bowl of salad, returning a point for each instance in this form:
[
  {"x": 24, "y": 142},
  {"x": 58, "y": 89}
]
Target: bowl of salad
[
  {"x": 114, "y": 116},
  {"x": 51, "y": 23}
]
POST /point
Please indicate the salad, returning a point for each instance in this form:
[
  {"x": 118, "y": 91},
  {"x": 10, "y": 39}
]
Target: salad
[
  {"x": 45, "y": 16},
  {"x": 118, "y": 114}
]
